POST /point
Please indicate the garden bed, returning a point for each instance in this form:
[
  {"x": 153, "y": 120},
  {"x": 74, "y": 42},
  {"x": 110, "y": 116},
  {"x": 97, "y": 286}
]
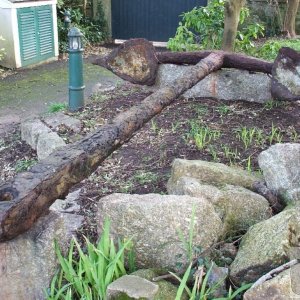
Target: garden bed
[{"x": 233, "y": 133}]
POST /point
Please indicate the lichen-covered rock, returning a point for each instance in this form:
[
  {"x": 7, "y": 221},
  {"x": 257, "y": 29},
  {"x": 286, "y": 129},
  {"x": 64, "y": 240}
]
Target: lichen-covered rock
[
  {"x": 31, "y": 130},
  {"x": 280, "y": 287},
  {"x": 131, "y": 287},
  {"x": 153, "y": 222},
  {"x": 281, "y": 168},
  {"x": 210, "y": 173},
  {"x": 240, "y": 208},
  {"x": 285, "y": 75},
  {"x": 225, "y": 84},
  {"x": 48, "y": 143},
  {"x": 29, "y": 262},
  {"x": 266, "y": 246},
  {"x": 134, "y": 61},
  {"x": 192, "y": 187},
  {"x": 56, "y": 119},
  {"x": 166, "y": 291},
  {"x": 67, "y": 205},
  {"x": 217, "y": 281}
]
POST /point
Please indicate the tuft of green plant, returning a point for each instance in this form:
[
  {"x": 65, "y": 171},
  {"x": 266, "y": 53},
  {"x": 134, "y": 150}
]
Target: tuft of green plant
[
  {"x": 245, "y": 135},
  {"x": 201, "y": 110},
  {"x": 223, "y": 109},
  {"x": 24, "y": 164},
  {"x": 271, "y": 104},
  {"x": 202, "y": 135},
  {"x": 249, "y": 164},
  {"x": 175, "y": 126},
  {"x": 213, "y": 152},
  {"x": 294, "y": 136},
  {"x": 188, "y": 243},
  {"x": 202, "y": 28},
  {"x": 200, "y": 289},
  {"x": 57, "y": 106},
  {"x": 87, "y": 275},
  {"x": 275, "y": 135},
  {"x": 143, "y": 177},
  {"x": 229, "y": 153}
]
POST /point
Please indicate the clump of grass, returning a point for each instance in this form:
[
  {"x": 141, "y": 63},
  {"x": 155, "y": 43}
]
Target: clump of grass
[
  {"x": 223, "y": 109},
  {"x": 246, "y": 135},
  {"x": 271, "y": 104},
  {"x": 201, "y": 290},
  {"x": 202, "y": 135},
  {"x": 88, "y": 276},
  {"x": 24, "y": 164},
  {"x": 275, "y": 135},
  {"x": 55, "y": 107}
]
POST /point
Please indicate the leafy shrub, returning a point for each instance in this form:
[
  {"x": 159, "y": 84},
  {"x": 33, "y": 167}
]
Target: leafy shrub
[
  {"x": 203, "y": 27},
  {"x": 269, "y": 50},
  {"x": 94, "y": 31},
  {"x": 87, "y": 275}
]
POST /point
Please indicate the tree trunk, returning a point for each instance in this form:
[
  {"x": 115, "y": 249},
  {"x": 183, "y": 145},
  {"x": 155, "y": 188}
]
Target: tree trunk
[
  {"x": 29, "y": 194},
  {"x": 231, "y": 60},
  {"x": 290, "y": 18},
  {"x": 231, "y": 22}
]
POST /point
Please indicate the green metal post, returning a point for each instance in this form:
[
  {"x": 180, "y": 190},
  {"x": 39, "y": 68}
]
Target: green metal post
[{"x": 76, "y": 84}]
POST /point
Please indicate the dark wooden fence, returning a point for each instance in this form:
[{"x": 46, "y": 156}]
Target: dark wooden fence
[{"x": 155, "y": 20}]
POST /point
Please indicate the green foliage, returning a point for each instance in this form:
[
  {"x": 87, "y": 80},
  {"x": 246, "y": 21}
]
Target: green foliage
[
  {"x": 94, "y": 30},
  {"x": 203, "y": 27},
  {"x": 188, "y": 243},
  {"x": 24, "y": 164},
  {"x": 202, "y": 135},
  {"x": 275, "y": 135},
  {"x": 200, "y": 289},
  {"x": 144, "y": 177},
  {"x": 87, "y": 275},
  {"x": 269, "y": 50},
  {"x": 200, "y": 28},
  {"x": 199, "y": 270},
  {"x": 57, "y": 106}
]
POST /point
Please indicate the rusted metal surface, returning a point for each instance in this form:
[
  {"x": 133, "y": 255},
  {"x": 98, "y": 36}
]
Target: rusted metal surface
[{"x": 29, "y": 194}]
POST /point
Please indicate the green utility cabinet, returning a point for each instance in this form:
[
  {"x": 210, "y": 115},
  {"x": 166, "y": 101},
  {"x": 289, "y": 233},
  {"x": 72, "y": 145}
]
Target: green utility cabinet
[
  {"x": 28, "y": 31},
  {"x": 35, "y": 34}
]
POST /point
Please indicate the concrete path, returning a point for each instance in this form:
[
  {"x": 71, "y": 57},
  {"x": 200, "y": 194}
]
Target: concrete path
[{"x": 31, "y": 92}]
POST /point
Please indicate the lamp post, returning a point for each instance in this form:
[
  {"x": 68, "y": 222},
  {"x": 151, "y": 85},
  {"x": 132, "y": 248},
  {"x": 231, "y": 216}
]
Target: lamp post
[
  {"x": 76, "y": 85},
  {"x": 67, "y": 19}
]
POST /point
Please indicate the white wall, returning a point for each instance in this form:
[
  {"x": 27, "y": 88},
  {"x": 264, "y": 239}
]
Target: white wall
[{"x": 6, "y": 31}]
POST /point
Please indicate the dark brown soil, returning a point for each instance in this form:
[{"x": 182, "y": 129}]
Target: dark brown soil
[{"x": 143, "y": 164}]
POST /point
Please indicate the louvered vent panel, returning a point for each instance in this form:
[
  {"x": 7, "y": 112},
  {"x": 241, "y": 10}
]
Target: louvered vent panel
[
  {"x": 45, "y": 24},
  {"x": 36, "y": 34},
  {"x": 28, "y": 35}
]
